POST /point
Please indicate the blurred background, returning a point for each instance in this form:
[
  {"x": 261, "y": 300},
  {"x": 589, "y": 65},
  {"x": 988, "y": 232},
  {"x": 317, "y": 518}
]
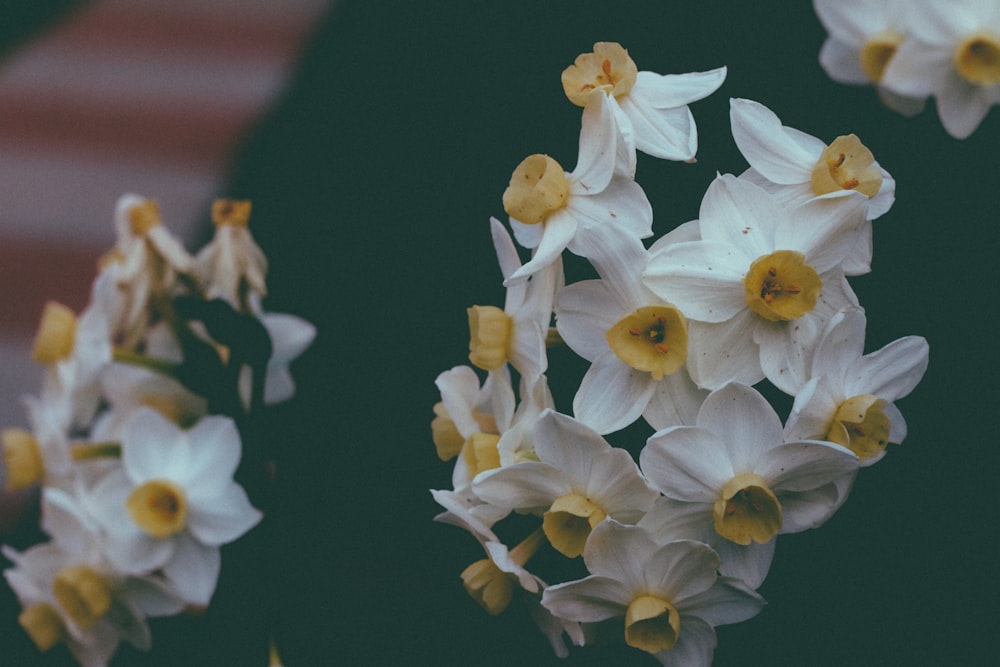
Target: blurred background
[{"x": 375, "y": 138}]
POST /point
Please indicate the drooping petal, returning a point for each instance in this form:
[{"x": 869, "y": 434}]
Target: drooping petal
[
  {"x": 727, "y": 601},
  {"x": 588, "y": 600},
  {"x": 810, "y": 509}
]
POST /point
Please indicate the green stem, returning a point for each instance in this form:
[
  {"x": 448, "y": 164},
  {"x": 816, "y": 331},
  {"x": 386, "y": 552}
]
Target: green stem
[{"x": 132, "y": 358}]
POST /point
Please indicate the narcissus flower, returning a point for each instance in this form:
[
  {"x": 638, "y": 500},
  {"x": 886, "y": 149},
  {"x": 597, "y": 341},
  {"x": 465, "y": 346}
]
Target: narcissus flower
[
  {"x": 173, "y": 502},
  {"x": 734, "y": 472},
  {"x": 550, "y": 210},
  {"x": 796, "y": 167},
  {"x": 952, "y": 52},
  {"x": 760, "y": 284},
  {"x": 232, "y": 266},
  {"x": 669, "y": 595},
  {"x": 650, "y": 109},
  {"x": 850, "y": 398},
  {"x": 578, "y": 480},
  {"x": 637, "y": 344},
  {"x": 864, "y": 36}
]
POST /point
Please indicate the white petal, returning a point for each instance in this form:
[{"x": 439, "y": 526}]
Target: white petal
[
  {"x": 149, "y": 446},
  {"x": 718, "y": 353},
  {"x": 702, "y": 278},
  {"x": 675, "y": 402},
  {"x": 739, "y": 213},
  {"x": 761, "y": 138},
  {"x": 584, "y": 312},
  {"x": 695, "y": 646},
  {"x": 813, "y": 411},
  {"x": 619, "y": 552},
  {"x": 612, "y": 394},
  {"x": 851, "y": 20},
  {"x": 824, "y": 230},
  {"x": 557, "y": 232},
  {"x": 917, "y": 70},
  {"x": 623, "y": 203},
  {"x": 669, "y": 134},
  {"x": 804, "y": 466},
  {"x": 588, "y": 600},
  {"x": 664, "y": 91},
  {"x": 213, "y": 456},
  {"x": 962, "y": 106},
  {"x": 750, "y": 564},
  {"x": 681, "y": 570},
  {"x": 527, "y": 486},
  {"x": 744, "y": 421},
  {"x": 193, "y": 571},
  {"x": 842, "y": 62},
  {"x": 728, "y": 601},
  {"x": 568, "y": 445},
  {"x": 810, "y": 509},
  {"x": 893, "y": 371},
  {"x": 222, "y": 518},
  {"x": 598, "y": 143},
  {"x": 616, "y": 484},
  {"x": 686, "y": 463}
]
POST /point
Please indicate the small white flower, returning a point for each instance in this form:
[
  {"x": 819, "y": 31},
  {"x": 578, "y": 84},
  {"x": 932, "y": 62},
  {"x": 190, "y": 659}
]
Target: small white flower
[
  {"x": 953, "y": 53},
  {"x": 864, "y": 35},
  {"x": 578, "y": 480},
  {"x": 734, "y": 472},
  {"x": 761, "y": 282},
  {"x": 551, "y": 210},
  {"x": 232, "y": 266},
  {"x": 850, "y": 398},
  {"x": 174, "y": 502},
  {"x": 650, "y": 109},
  {"x": 668, "y": 594}
]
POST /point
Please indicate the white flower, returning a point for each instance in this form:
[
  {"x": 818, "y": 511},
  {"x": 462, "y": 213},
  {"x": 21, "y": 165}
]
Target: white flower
[
  {"x": 796, "y": 167},
  {"x": 668, "y": 594},
  {"x": 174, "y": 501},
  {"x": 850, "y": 398},
  {"x": 578, "y": 480},
  {"x": 232, "y": 266},
  {"x": 470, "y": 419},
  {"x": 637, "y": 344},
  {"x": 290, "y": 336},
  {"x": 864, "y": 35},
  {"x": 733, "y": 472},
  {"x": 550, "y": 210},
  {"x": 953, "y": 53},
  {"x": 650, "y": 109},
  {"x": 517, "y": 333},
  {"x": 71, "y": 592},
  {"x": 761, "y": 283}
]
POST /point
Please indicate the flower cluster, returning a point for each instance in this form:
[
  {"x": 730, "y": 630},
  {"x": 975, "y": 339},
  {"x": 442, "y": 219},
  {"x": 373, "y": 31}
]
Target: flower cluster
[
  {"x": 135, "y": 434},
  {"x": 677, "y": 331},
  {"x": 915, "y": 49}
]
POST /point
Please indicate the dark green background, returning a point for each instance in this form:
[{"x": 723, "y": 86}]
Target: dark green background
[{"x": 372, "y": 185}]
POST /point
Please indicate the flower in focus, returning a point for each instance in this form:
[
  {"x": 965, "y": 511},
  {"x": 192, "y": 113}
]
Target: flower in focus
[
  {"x": 517, "y": 333},
  {"x": 578, "y": 480},
  {"x": 669, "y": 594},
  {"x": 637, "y": 344},
  {"x": 864, "y": 36},
  {"x": 551, "y": 209},
  {"x": 173, "y": 502},
  {"x": 734, "y": 472},
  {"x": 796, "y": 167},
  {"x": 761, "y": 282},
  {"x": 952, "y": 52},
  {"x": 650, "y": 110},
  {"x": 850, "y": 398}
]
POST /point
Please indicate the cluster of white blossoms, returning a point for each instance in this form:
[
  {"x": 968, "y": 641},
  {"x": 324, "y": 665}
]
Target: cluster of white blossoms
[
  {"x": 915, "y": 49},
  {"x": 677, "y": 331},
  {"x": 135, "y": 434}
]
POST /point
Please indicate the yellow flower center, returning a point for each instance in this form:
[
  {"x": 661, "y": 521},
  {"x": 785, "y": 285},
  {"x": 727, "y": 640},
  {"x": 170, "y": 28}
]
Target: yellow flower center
[
  {"x": 781, "y": 286},
  {"x": 447, "y": 440},
  {"x": 235, "y": 212},
  {"x": 846, "y": 164},
  {"x": 652, "y": 624},
  {"x": 43, "y": 624},
  {"x": 652, "y": 339},
  {"x": 608, "y": 68},
  {"x": 481, "y": 452},
  {"x": 159, "y": 507},
  {"x": 56, "y": 334},
  {"x": 747, "y": 511},
  {"x": 488, "y": 585},
  {"x": 877, "y": 51},
  {"x": 977, "y": 58},
  {"x": 22, "y": 459},
  {"x": 861, "y": 425},
  {"x": 143, "y": 217},
  {"x": 569, "y": 521},
  {"x": 490, "y": 333},
  {"x": 83, "y": 593},
  {"x": 538, "y": 188}
]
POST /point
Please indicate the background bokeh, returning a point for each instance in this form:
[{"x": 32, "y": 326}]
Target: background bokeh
[{"x": 372, "y": 183}]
